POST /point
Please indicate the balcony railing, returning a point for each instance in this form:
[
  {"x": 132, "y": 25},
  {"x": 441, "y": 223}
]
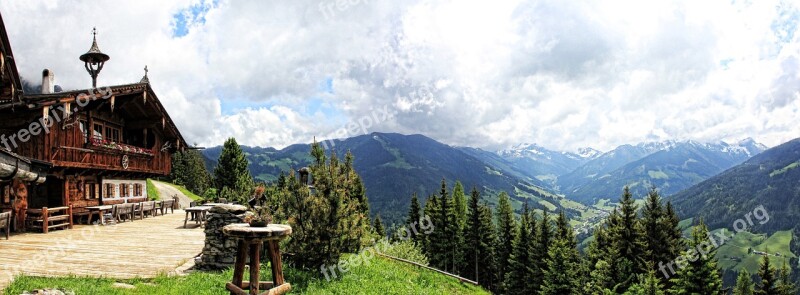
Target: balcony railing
[{"x": 107, "y": 144}]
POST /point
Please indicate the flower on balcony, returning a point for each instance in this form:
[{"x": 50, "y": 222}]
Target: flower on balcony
[{"x": 108, "y": 144}]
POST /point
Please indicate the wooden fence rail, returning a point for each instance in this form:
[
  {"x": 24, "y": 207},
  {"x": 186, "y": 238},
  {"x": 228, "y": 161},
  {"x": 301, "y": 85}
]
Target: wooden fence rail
[{"x": 463, "y": 280}]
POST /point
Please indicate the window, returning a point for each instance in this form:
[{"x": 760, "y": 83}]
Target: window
[
  {"x": 84, "y": 131},
  {"x": 91, "y": 191},
  {"x": 110, "y": 190},
  {"x": 115, "y": 135},
  {"x": 106, "y": 131},
  {"x": 125, "y": 190},
  {"x": 140, "y": 190},
  {"x": 98, "y": 131}
]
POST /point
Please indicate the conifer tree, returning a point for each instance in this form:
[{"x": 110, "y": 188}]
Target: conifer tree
[
  {"x": 414, "y": 218},
  {"x": 655, "y": 231},
  {"x": 327, "y": 222},
  {"x": 478, "y": 256},
  {"x": 378, "y": 226},
  {"x": 769, "y": 283},
  {"x": 517, "y": 275},
  {"x": 472, "y": 236},
  {"x": 700, "y": 273},
  {"x": 744, "y": 284},
  {"x": 507, "y": 230},
  {"x": 626, "y": 236},
  {"x": 487, "y": 266},
  {"x": 785, "y": 284},
  {"x": 232, "y": 171},
  {"x": 561, "y": 274},
  {"x": 460, "y": 204},
  {"x": 431, "y": 242},
  {"x": 648, "y": 284},
  {"x": 541, "y": 251}
]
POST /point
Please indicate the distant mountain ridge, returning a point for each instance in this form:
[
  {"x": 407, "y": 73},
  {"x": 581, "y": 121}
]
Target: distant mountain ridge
[
  {"x": 770, "y": 179},
  {"x": 670, "y": 166},
  {"x": 393, "y": 166}
]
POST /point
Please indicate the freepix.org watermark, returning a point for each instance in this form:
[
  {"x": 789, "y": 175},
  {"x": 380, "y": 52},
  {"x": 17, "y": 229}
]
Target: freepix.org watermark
[
  {"x": 53, "y": 116},
  {"x": 759, "y": 214},
  {"x": 423, "y": 227},
  {"x": 359, "y": 126}
]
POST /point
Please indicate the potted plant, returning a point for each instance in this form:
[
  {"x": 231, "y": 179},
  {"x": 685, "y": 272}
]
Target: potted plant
[{"x": 260, "y": 217}]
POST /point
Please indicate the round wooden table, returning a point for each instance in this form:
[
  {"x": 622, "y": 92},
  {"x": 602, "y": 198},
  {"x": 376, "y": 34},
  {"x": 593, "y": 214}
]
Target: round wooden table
[{"x": 251, "y": 241}]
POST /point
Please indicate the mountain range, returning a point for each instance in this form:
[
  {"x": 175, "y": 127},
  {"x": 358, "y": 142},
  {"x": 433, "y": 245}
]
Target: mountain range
[
  {"x": 394, "y": 166},
  {"x": 770, "y": 179}
]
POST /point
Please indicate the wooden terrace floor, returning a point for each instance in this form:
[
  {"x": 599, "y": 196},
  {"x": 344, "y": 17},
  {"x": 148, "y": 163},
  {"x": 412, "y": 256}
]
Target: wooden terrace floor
[{"x": 142, "y": 248}]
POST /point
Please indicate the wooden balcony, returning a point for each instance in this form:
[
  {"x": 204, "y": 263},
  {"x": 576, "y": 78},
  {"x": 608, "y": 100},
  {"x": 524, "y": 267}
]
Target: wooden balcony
[{"x": 102, "y": 157}]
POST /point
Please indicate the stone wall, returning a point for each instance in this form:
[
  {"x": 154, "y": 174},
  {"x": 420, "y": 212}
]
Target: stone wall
[{"x": 220, "y": 251}]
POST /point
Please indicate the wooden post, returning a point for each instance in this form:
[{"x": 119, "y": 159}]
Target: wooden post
[
  {"x": 255, "y": 261},
  {"x": 275, "y": 262},
  {"x": 44, "y": 220},
  {"x": 238, "y": 269},
  {"x": 69, "y": 212}
]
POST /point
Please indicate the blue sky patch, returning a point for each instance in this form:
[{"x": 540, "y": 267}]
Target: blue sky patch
[{"x": 193, "y": 15}]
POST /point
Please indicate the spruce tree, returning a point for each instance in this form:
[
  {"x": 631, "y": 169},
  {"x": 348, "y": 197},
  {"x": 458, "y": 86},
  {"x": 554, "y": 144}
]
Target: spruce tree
[
  {"x": 561, "y": 274},
  {"x": 460, "y": 204},
  {"x": 541, "y": 250},
  {"x": 648, "y": 284},
  {"x": 430, "y": 242},
  {"x": 414, "y": 219},
  {"x": 769, "y": 283},
  {"x": 675, "y": 240},
  {"x": 378, "y": 226},
  {"x": 744, "y": 284},
  {"x": 479, "y": 253},
  {"x": 655, "y": 230},
  {"x": 517, "y": 276},
  {"x": 232, "y": 171},
  {"x": 626, "y": 235},
  {"x": 700, "y": 273},
  {"x": 487, "y": 265},
  {"x": 507, "y": 230},
  {"x": 479, "y": 235},
  {"x": 785, "y": 284},
  {"x": 563, "y": 264},
  {"x": 472, "y": 236}
]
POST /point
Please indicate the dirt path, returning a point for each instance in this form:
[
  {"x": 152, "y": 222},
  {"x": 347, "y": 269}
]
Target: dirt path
[{"x": 167, "y": 191}]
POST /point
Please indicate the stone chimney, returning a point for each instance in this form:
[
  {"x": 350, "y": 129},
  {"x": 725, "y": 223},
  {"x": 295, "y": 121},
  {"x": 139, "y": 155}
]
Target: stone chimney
[{"x": 48, "y": 82}]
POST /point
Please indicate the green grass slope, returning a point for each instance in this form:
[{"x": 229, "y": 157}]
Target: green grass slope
[
  {"x": 733, "y": 255},
  {"x": 380, "y": 276}
]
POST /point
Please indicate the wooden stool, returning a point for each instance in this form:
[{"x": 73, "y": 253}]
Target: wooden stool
[{"x": 252, "y": 239}]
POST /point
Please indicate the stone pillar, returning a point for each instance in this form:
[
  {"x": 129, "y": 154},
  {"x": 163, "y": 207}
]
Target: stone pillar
[{"x": 220, "y": 250}]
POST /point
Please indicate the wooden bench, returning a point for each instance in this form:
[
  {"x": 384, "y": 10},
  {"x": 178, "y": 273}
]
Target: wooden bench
[
  {"x": 50, "y": 218},
  {"x": 123, "y": 212},
  {"x": 147, "y": 208},
  {"x": 5, "y": 222},
  {"x": 167, "y": 205}
]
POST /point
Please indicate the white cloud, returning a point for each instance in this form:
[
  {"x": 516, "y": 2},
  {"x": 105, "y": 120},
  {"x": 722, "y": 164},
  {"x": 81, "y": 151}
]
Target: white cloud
[{"x": 487, "y": 74}]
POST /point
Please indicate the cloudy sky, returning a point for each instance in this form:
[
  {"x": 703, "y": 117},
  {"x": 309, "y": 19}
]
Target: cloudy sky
[{"x": 490, "y": 74}]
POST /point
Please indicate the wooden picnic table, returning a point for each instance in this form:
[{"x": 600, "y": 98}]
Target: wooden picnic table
[
  {"x": 251, "y": 239},
  {"x": 199, "y": 212},
  {"x": 100, "y": 210}
]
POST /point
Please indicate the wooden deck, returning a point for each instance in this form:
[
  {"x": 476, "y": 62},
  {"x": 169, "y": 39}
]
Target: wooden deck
[{"x": 141, "y": 248}]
